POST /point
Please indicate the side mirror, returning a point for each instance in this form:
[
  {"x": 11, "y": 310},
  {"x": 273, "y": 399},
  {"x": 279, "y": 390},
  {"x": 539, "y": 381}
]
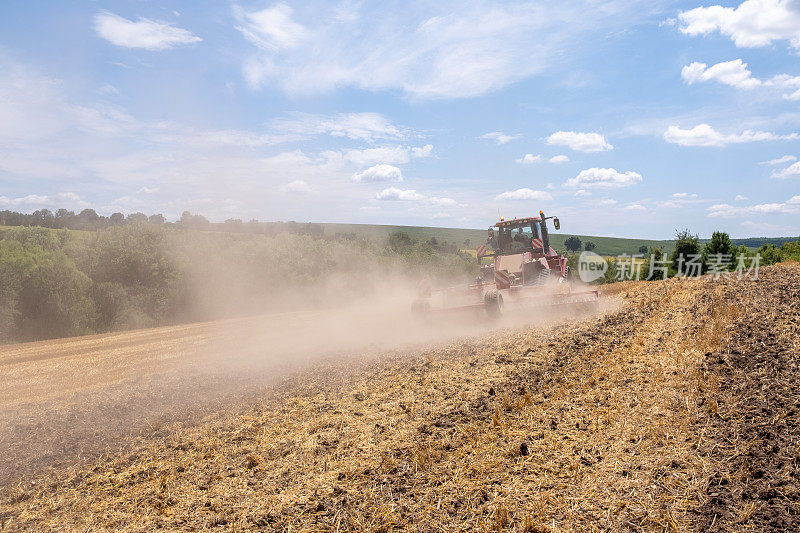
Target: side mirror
[{"x": 556, "y": 223}]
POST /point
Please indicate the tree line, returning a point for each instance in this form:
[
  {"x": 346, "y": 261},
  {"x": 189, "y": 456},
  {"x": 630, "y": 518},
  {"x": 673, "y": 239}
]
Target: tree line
[
  {"x": 90, "y": 220},
  {"x": 58, "y": 282}
]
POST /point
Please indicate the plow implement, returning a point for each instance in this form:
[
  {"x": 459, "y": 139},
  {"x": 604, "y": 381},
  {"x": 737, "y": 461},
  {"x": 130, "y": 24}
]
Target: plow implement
[{"x": 486, "y": 299}]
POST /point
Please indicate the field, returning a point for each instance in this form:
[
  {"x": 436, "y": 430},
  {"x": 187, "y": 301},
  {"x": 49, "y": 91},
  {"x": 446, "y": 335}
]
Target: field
[
  {"x": 611, "y": 246},
  {"x": 675, "y": 409},
  {"x": 608, "y": 246}
]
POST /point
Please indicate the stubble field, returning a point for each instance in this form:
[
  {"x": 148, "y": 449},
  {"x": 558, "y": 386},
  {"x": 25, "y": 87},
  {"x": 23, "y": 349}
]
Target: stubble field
[{"x": 676, "y": 409}]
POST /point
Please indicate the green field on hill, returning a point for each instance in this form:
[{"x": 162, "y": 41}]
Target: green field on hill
[
  {"x": 470, "y": 238},
  {"x": 612, "y": 246}
]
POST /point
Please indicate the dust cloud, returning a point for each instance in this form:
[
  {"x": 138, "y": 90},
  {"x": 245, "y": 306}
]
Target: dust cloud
[{"x": 72, "y": 400}]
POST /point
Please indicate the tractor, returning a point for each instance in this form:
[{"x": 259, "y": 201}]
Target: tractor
[{"x": 524, "y": 272}]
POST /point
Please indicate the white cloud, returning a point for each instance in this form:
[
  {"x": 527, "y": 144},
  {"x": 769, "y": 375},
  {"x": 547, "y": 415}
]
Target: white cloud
[
  {"x": 272, "y": 29},
  {"x": 395, "y": 155},
  {"x": 767, "y": 229},
  {"x": 705, "y": 135},
  {"x": 733, "y": 73},
  {"x": 356, "y": 126},
  {"x": 422, "y": 151},
  {"x": 679, "y": 200},
  {"x": 752, "y": 24},
  {"x": 108, "y": 90},
  {"x": 607, "y": 201},
  {"x": 780, "y": 160},
  {"x": 635, "y": 207},
  {"x": 792, "y": 171},
  {"x": 26, "y": 201},
  {"x": 556, "y": 159},
  {"x": 446, "y": 49},
  {"x": 144, "y": 33},
  {"x": 443, "y": 202},
  {"x": 36, "y": 201},
  {"x": 736, "y": 74},
  {"x": 582, "y": 142},
  {"x": 148, "y": 190},
  {"x": 582, "y": 192},
  {"x": 791, "y": 206},
  {"x": 740, "y": 198},
  {"x": 525, "y": 194},
  {"x": 381, "y": 172},
  {"x": 603, "y": 178},
  {"x": 529, "y": 159},
  {"x": 395, "y": 194},
  {"x": 297, "y": 187},
  {"x": 499, "y": 137}
]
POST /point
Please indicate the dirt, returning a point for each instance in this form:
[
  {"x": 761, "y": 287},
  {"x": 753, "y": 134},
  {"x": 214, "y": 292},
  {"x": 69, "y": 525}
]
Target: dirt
[
  {"x": 751, "y": 423},
  {"x": 676, "y": 410}
]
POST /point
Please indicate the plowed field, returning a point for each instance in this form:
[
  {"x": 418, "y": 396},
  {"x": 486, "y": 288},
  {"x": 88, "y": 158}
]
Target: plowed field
[{"x": 676, "y": 409}]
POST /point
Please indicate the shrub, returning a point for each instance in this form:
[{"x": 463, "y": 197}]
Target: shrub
[{"x": 686, "y": 246}]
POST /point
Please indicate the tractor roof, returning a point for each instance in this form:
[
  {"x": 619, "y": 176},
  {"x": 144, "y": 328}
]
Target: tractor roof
[{"x": 516, "y": 222}]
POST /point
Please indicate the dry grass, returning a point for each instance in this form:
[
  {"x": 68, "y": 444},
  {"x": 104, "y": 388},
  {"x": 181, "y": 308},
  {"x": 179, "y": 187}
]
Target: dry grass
[{"x": 602, "y": 424}]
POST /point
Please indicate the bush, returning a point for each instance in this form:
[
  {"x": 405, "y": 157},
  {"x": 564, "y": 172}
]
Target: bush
[
  {"x": 686, "y": 246},
  {"x": 770, "y": 254}
]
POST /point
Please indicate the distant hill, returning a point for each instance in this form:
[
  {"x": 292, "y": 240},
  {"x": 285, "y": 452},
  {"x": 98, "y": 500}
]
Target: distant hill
[{"x": 758, "y": 242}]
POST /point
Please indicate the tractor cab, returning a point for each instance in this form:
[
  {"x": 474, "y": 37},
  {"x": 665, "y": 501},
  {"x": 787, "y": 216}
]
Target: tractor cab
[
  {"x": 520, "y": 235},
  {"x": 521, "y": 251}
]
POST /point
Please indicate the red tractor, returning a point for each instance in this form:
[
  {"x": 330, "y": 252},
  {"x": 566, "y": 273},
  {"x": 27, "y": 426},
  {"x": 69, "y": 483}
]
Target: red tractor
[{"x": 524, "y": 272}]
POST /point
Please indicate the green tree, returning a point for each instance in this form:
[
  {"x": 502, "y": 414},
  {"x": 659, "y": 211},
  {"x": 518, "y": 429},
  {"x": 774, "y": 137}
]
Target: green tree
[
  {"x": 610, "y": 275},
  {"x": 720, "y": 243},
  {"x": 233, "y": 225},
  {"x": 589, "y": 246},
  {"x": 15, "y": 265},
  {"x": 44, "y": 218},
  {"x": 88, "y": 219},
  {"x": 770, "y": 254},
  {"x": 136, "y": 218},
  {"x": 34, "y": 237},
  {"x": 686, "y": 247},
  {"x": 400, "y": 242},
  {"x": 53, "y": 298},
  {"x": 573, "y": 244},
  {"x": 791, "y": 250},
  {"x": 191, "y": 221},
  {"x": 656, "y": 255},
  {"x": 643, "y": 249}
]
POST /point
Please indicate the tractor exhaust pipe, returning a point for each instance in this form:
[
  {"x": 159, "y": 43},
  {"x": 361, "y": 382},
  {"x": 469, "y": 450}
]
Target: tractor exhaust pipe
[{"x": 545, "y": 236}]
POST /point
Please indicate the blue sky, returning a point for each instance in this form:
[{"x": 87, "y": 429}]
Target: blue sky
[{"x": 622, "y": 118}]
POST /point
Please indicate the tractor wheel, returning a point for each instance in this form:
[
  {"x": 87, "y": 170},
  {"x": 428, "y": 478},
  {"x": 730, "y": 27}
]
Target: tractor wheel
[{"x": 493, "y": 303}]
